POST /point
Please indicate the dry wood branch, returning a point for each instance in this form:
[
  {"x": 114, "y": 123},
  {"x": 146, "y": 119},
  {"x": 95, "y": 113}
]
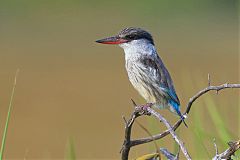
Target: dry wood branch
[
  {"x": 188, "y": 108},
  {"x": 128, "y": 143},
  {"x": 175, "y": 137},
  {"x": 154, "y": 156},
  {"x": 155, "y": 137},
  {"x": 169, "y": 155},
  {"x": 139, "y": 111},
  {"x": 209, "y": 88},
  {"x": 233, "y": 147}
]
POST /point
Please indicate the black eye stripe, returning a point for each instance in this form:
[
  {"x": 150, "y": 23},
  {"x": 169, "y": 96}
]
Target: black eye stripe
[
  {"x": 133, "y": 33},
  {"x": 130, "y": 36}
]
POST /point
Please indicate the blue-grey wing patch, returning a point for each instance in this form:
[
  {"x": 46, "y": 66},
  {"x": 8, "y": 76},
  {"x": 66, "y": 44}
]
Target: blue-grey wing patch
[{"x": 160, "y": 76}]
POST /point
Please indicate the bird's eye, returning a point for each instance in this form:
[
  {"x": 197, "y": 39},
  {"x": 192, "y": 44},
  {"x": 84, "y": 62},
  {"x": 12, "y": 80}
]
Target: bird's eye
[{"x": 130, "y": 36}]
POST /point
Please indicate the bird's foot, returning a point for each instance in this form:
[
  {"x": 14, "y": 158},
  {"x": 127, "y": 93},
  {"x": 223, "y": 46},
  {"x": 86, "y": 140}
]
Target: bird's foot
[
  {"x": 147, "y": 105},
  {"x": 143, "y": 109}
]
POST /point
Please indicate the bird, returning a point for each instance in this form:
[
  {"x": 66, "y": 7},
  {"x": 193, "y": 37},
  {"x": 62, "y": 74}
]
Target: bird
[{"x": 145, "y": 69}]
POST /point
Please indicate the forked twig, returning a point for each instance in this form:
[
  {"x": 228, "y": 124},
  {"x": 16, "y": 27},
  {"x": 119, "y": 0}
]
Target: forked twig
[
  {"x": 188, "y": 108},
  {"x": 128, "y": 143},
  {"x": 233, "y": 147}
]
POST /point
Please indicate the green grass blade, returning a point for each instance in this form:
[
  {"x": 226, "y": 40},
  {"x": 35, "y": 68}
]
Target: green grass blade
[
  {"x": 218, "y": 121},
  {"x": 70, "y": 150},
  {"x": 200, "y": 134},
  {"x": 8, "y": 117}
]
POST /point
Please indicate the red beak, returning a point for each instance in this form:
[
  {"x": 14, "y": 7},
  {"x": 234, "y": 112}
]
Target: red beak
[{"x": 112, "y": 40}]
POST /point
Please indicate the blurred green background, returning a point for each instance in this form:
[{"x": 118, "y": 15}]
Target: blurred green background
[{"x": 69, "y": 87}]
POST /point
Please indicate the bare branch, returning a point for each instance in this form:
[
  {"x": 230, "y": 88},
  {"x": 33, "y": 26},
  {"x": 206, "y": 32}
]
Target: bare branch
[
  {"x": 125, "y": 120},
  {"x": 139, "y": 111},
  {"x": 155, "y": 156},
  {"x": 209, "y": 80},
  {"x": 209, "y": 88},
  {"x": 134, "y": 103},
  {"x": 155, "y": 143},
  {"x": 169, "y": 155},
  {"x": 175, "y": 137},
  {"x": 128, "y": 143},
  {"x": 155, "y": 137},
  {"x": 188, "y": 108},
  {"x": 233, "y": 147},
  {"x": 215, "y": 146}
]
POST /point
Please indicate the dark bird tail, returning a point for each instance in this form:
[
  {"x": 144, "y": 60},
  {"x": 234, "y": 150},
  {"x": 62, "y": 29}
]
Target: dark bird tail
[{"x": 176, "y": 109}]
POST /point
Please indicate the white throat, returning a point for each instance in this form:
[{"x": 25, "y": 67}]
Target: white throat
[{"x": 138, "y": 48}]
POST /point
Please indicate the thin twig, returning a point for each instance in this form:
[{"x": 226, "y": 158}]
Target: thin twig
[
  {"x": 127, "y": 141},
  {"x": 174, "y": 135},
  {"x": 188, "y": 108},
  {"x": 209, "y": 80},
  {"x": 125, "y": 120},
  {"x": 233, "y": 147},
  {"x": 127, "y": 144},
  {"x": 169, "y": 155},
  {"x": 209, "y": 88},
  {"x": 215, "y": 146},
  {"x": 155, "y": 156},
  {"x": 155, "y": 143},
  {"x": 139, "y": 111},
  {"x": 155, "y": 137}
]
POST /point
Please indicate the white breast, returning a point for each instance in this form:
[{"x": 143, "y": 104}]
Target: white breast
[{"x": 138, "y": 81}]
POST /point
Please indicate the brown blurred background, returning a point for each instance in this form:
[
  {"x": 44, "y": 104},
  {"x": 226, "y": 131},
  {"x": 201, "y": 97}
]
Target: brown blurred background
[{"x": 69, "y": 87}]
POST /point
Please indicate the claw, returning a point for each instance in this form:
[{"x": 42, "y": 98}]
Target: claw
[{"x": 145, "y": 107}]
